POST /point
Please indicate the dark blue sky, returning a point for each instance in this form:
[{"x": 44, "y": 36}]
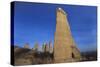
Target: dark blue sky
[{"x": 36, "y": 22}]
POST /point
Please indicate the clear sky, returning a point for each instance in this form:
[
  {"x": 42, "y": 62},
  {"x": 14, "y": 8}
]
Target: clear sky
[{"x": 36, "y": 22}]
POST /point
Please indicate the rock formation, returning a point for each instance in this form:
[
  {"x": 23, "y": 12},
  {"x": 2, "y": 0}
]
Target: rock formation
[
  {"x": 26, "y": 46},
  {"x": 65, "y": 49}
]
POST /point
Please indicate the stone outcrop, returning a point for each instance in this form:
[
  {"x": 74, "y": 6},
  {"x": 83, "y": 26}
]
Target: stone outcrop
[
  {"x": 26, "y": 46},
  {"x": 65, "y": 49},
  {"x": 50, "y": 47},
  {"x": 24, "y": 56}
]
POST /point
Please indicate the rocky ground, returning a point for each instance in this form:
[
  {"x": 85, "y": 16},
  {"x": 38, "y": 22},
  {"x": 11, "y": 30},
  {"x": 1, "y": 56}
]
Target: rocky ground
[{"x": 23, "y": 56}]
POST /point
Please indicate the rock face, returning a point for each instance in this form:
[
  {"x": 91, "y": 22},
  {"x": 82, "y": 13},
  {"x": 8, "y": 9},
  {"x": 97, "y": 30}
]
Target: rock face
[
  {"x": 25, "y": 56},
  {"x": 46, "y": 48},
  {"x": 22, "y": 56},
  {"x": 36, "y": 47},
  {"x": 26, "y": 46},
  {"x": 64, "y": 46},
  {"x": 50, "y": 48}
]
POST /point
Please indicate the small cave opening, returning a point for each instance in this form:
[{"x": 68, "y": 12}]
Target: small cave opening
[{"x": 73, "y": 56}]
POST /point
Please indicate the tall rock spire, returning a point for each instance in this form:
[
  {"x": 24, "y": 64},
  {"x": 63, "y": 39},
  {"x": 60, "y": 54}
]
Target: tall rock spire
[
  {"x": 36, "y": 46},
  {"x": 26, "y": 46},
  {"x": 63, "y": 40},
  {"x": 50, "y": 47}
]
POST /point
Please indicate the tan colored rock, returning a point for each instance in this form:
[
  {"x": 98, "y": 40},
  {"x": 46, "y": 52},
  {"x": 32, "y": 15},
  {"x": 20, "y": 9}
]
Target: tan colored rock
[
  {"x": 63, "y": 40},
  {"x": 36, "y": 47},
  {"x": 26, "y": 46},
  {"x": 43, "y": 47},
  {"x": 46, "y": 48},
  {"x": 50, "y": 48}
]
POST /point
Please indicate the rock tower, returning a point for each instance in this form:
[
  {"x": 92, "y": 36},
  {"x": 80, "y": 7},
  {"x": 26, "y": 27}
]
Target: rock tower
[{"x": 65, "y": 49}]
